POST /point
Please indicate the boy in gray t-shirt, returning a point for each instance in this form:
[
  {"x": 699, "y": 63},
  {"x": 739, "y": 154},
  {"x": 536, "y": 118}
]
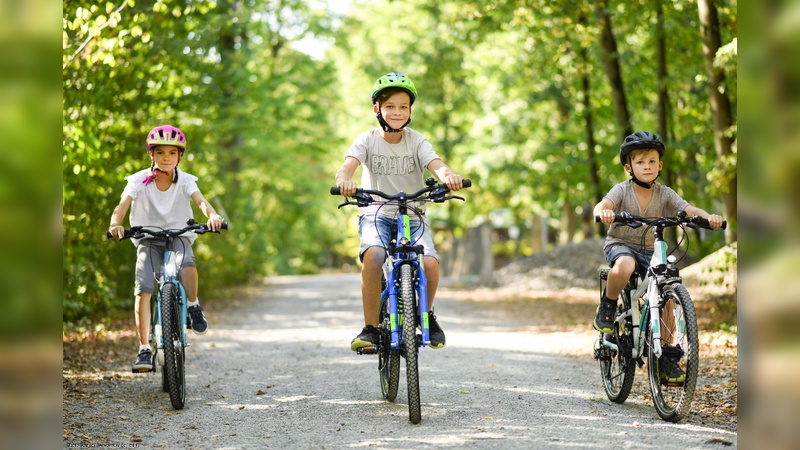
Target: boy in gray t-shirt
[{"x": 640, "y": 154}]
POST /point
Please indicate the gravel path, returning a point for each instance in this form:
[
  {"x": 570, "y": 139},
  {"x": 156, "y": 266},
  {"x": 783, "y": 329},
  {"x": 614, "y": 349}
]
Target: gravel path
[{"x": 278, "y": 373}]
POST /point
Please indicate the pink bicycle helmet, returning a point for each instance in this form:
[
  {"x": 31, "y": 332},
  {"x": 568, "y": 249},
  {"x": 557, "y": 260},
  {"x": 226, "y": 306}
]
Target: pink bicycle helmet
[{"x": 166, "y": 135}]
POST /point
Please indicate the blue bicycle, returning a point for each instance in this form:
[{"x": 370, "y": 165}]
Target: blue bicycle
[
  {"x": 403, "y": 317},
  {"x": 168, "y": 310}
]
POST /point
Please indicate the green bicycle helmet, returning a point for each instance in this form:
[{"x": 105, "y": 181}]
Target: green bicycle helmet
[{"x": 394, "y": 79}]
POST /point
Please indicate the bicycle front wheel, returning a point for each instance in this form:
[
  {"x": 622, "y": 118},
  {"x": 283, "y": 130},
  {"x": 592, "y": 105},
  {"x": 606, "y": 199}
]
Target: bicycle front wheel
[
  {"x": 388, "y": 358},
  {"x": 617, "y": 366},
  {"x": 173, "y": 346},
  {"x": 672, "y": 392},
  {"x": 410, "y": 341}
]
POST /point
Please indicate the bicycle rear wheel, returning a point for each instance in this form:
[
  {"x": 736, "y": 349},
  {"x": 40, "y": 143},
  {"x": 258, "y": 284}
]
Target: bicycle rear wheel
[
  {"x": 410, "y": 341},
  {"x": 388, "y": 359},
  {"x": 174, "y": 357},
  {"x": 673, "y": 399},
  {"x": 617, "y": 367}
]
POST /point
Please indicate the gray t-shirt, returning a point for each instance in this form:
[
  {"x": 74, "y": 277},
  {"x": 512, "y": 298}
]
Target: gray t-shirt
[
  {"x": 392, "y": 168},
  {"x": 665, "y": 203},
  {"x": 165, "y": 209}
]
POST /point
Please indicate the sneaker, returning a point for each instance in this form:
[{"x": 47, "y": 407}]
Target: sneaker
[
  {"x": 369, "y": 337},
  {"x": 198, "y": 321},
  {"x": 436, "y": 333},
  {"x": 668, "y": 368},
  {"x": 144, "y": 361},
  {"x": 604, "y": 322}
]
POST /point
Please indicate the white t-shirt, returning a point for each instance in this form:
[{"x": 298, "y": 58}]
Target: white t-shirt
[
  {"x": 392, "y": 168},
  {"x": 165, "y": 209}
]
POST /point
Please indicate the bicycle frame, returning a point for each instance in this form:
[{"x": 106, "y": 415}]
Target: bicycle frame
[
  {"x": 169, "y": 273},
  {"x": 405, "y": 253},
  {"x": 659, "y": 274}
]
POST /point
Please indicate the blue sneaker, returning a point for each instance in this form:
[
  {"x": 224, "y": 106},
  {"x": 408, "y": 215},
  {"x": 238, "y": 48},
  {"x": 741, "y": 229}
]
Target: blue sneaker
[
  {"x": 198, "y": 322},
  {"x": 144, "y": 361}
]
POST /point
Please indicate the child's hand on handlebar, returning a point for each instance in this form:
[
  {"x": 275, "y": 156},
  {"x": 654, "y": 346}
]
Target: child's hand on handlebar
[
  {"x": 347, "y": 188},
  {"x": 454, "y": 182},
  {"x": 117, "y": 231},
  {"x": 715, "y": 221},
  {"x": 215, "y": 222},
  {"x": 606, "y": 216}
]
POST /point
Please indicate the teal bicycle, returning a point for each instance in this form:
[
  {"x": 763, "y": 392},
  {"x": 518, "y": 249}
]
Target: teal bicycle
[
  {"x": 168, "y": 310},
  {"x": 654, "y": 319}
]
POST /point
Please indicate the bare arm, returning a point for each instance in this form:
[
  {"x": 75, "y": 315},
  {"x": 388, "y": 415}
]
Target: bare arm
[
  {"x": 344, "y": 176},
  {"x": 115, "y": 227},
  {"x": 446, "y": 175},
  {"x": 214, "y": 219},
  {"x": 605, "y": 210}
]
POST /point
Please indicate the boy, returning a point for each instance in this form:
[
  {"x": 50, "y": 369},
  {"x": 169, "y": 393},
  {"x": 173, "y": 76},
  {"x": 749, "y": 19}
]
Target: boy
[
  {"x": 394, "y": 159},
  {"x": 640, "y": 154}
]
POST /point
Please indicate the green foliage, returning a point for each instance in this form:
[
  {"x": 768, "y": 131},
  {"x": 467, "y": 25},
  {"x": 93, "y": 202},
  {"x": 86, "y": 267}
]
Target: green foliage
[{"x": 501, "y": 97}]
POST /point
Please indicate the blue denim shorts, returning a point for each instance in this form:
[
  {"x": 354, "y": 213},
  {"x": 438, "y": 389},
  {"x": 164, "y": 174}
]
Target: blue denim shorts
[
  {"x": 379, "y": 234},
  {"x": 642, "y": 257}
]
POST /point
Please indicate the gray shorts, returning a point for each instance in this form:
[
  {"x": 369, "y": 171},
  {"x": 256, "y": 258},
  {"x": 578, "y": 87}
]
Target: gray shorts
[
  {"x": 379, "y": 234},
  {"x": 150, "y": 257},
  {"x": 642, "y": 258}
]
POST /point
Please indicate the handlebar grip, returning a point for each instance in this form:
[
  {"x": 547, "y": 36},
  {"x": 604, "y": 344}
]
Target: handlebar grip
[
  {"x": 129, "y": 233},
  {"x": 336, "y": 191},
  {"x": 704, "y": 223},
  {"x": 466, "y": 183}
]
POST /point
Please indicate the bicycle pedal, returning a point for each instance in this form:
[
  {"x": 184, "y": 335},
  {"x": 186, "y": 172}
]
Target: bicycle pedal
[
  {"x": 152, "y": 369},
  {"x": 368, "y": 350}
]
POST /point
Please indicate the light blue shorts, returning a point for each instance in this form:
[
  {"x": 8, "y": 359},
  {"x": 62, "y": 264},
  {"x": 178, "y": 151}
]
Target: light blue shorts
[{"x": 379, "y": 234}]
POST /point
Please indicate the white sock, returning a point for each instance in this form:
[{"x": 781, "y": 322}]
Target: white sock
[
  {"x": 194, "y": 303},
  {"x": 145, "y": 347}
]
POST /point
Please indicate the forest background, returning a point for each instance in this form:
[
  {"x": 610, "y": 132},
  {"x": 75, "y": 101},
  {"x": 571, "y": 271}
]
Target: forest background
[{"x": 529, "y": 99}]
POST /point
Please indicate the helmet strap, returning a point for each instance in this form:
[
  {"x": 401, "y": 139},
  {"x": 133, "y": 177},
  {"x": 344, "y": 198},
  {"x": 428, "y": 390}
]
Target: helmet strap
[
  {"x": 642, "y": 183},
  {"x": 386, "y": 127}
]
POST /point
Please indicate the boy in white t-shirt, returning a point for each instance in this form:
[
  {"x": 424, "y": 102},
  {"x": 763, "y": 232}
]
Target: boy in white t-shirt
[
  {"x": 394, "y": 159},
  {"x": 160, "y": 197}
]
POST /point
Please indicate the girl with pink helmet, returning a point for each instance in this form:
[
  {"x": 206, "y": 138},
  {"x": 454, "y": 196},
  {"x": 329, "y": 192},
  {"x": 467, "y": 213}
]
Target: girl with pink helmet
[{"x": 159, "y": 197}]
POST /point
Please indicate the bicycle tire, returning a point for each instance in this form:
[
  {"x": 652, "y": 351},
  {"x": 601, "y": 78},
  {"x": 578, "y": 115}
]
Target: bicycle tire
[
  {"x": 173, "y": 347},
  {"x": 155, "y": 342},
  {"x": 388, "y": 359},
  {"x": 673, "y": 400},
  {"x": 617, "y": 367},
  {"x": 410, "y": 342}
]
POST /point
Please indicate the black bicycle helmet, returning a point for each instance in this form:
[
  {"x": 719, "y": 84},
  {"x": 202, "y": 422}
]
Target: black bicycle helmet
[{"x": 637, "y": 140}]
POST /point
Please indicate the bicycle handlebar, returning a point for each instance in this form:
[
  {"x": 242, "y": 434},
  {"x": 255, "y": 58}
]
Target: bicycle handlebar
[
  {"x": 629, "y": 219},
  {"x": 140, "y": 231},
  {"x": 437, "y": 189}
]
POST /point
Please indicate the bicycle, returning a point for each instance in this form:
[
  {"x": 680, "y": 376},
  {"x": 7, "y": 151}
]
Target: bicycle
[
  {"x": 662, "y": 312},
  {"x": 403, "y": 317},
  {"x": 168, "y": 311}
]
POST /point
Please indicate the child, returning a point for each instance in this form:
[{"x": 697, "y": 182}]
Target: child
[
  {"x": 640, "y": 154},
  {"x": 159, "y": 197},
  {"x": 394, "y": 159}
]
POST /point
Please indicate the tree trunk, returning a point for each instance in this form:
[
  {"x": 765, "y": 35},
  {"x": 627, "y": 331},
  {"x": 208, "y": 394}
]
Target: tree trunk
[
  {"x": 720, "y": 106},
  {"x": 671, "y": 234},
  {"x": 611, "y": 60},
  {"x": 594, "y": 169}
]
